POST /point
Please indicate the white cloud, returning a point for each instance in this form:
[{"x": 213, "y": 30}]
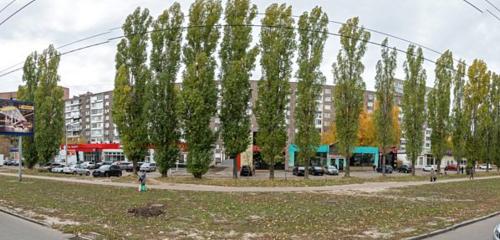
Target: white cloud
[{"x": 438, "y": 24}]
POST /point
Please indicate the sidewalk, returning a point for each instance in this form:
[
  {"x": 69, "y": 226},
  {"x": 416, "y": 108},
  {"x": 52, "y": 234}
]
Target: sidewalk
[{"x": 365, "y": 187}]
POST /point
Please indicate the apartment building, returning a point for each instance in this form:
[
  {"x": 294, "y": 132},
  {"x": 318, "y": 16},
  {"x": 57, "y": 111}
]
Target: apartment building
[{"x": 88, "y": 118}]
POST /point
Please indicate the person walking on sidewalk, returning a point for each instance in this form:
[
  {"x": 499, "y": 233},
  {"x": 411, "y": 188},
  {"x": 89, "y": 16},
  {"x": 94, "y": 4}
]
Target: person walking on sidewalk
[{"x": 142, "y": 181}]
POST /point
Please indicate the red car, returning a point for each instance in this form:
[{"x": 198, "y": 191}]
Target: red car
[{"x": 451, "y": 167}]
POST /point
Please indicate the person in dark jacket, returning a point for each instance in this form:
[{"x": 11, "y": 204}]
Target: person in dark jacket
[{"x": 142, "y": 181}]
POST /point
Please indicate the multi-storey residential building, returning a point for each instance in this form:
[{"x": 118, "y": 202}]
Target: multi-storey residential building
[{"x": 88, "y": 118}]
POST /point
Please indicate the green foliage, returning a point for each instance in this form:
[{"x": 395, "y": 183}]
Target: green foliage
[
  {"x": 439, "y": 106},
  {"x": 277, "y": 48},
  {"x": 458, "y": 120},
  {"x": 476, "y": 110},
  {"x": 413, "y": 106},
  {"x": 162, "y": 103},
  {"x": 495, "y": 118},
  {"x": 313, "y": 29},
  {"x": 129, "y": 95},
  {"x": 237, "y": 62},
  {"x": 199, "y": 93},
  {"x": 349, "y": 85},
  {"x": 27, "y": 93},
  {"x": 49, "y": 106},
  {"x": 386, "y": 68}
]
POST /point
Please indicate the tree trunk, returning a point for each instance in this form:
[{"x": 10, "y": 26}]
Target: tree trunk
[
  {"x": 383, "y": 162},
  {"x": 134, "y": 166},
  {"x": 306, "y": 170},
  {"x": 271, "y": 171},
  {"x": 235, "y": 167},
  {"x": 438, "y": 165},
  {"x": 347, "y": 163},
  {"x": 413, "y": 161}
]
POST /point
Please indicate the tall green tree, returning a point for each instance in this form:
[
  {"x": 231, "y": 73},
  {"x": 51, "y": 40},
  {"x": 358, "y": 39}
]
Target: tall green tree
[
  {"x": 277, "y": 42},
  {"x": 386, "y": 70},
  {"x": 313, "y": 32},
  {"x": 349, "y": 85},
  {"x": 129, "y": 95},
  {"x": 413, "y": 106},
  {"x": 495, "y": 115},
  {"x": 165, "y": 60},
  {"x": 237, "y": 61},
  {"x": 476, "y": 109},
  {"x": 199, "y": 92},
  {"x": 488, "y": 125},
  {"x": 49, "y": 106},
  {"x": 458, "y": 120},
  {"x": 438, "y": 106},
  {"x": 27, "y": 93}
]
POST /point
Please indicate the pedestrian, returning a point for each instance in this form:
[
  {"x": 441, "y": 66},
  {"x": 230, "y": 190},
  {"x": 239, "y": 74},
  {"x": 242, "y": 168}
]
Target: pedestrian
[
  {"x": 433, "y": 175},
  {"x": 472, "y": 170},
  {"x": 142, "y": 181}
]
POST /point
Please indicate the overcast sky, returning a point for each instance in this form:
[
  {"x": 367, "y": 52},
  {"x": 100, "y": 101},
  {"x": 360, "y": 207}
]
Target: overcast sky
[{"x": 438, "y": 24}]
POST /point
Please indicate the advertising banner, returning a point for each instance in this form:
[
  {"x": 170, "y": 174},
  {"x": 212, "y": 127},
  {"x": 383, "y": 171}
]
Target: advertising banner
[{"x": 16, "y": 117}]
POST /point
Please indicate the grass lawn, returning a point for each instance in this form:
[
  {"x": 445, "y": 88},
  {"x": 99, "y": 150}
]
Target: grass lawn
[{"x": 393, "y": 215}]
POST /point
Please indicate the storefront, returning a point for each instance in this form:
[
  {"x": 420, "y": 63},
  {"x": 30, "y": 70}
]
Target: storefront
[{"x": 95, "y": 152}]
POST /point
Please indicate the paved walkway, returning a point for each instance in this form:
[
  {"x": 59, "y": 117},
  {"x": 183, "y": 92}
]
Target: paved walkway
[
  {"x": 16, "y": 228},
  {"x": 364, "y": 187}
]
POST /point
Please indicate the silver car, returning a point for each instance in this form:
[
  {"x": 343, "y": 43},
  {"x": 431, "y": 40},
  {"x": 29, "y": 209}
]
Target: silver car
[
  {"x": 496, "y": 232},
  {"x": 332, "y": 170}
]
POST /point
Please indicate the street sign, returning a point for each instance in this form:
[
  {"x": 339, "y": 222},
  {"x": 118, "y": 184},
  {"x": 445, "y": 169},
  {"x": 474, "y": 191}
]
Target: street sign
[{"x": 16, "y": 118}]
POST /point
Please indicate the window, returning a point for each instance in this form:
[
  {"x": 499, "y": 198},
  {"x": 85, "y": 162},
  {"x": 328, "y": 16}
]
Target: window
[
  {"x": 328, "y": 107},
  {"x": 327, "y": 115},
  {"x": 107, "y": 118},
  {"x": 107, "y": 103},
  {"x": 328, "y": 99},
  {"x": 96, "y": 111},
  {"x": 106, "y": 96},
  {"x": 328, "y": 91}
]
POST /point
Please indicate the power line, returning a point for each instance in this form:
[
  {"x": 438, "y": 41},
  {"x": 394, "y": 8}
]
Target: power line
[
  {"x": 6, "y": 6},
  {"x": 474, "y": 6},
  {"x": 220, "y": 26},
  {"x": 493, "y": 5},
  {"x": 17, "y": 11},
  {"x": 492, "y": 14}
]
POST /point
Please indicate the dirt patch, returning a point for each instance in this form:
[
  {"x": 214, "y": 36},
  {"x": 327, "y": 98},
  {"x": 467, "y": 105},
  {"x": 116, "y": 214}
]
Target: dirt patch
[{"x": 152, "y": 210}]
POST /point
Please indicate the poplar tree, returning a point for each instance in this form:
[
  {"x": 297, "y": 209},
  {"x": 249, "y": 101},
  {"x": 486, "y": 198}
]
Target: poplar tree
[
  {"x": 413, "y": 106},
  {"x": 277, "y": 42},
  {"x": 438, "y": 106},
  {"x": 386, "y": 68},
  {"x": 495, "y": 115},
  {"x": 166, "y": 39},
  {"x": 476, "y": 108},
  {"x": 27, "y": 93},
  {"x": 129, "y": 95},
  {"x": 349, "y": 86},
  {"x": 458, "y": 121},
  {"x": 313, "y": 30},
  {"x": 49, "y": 106},
  {"x": 488, "y": 129},
  {"x": 237, "y": 61},
  {"x": 199, "y": 92}
]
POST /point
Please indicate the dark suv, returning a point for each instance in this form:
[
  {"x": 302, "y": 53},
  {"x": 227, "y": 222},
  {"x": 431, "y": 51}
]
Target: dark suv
[
  {"x": 108, "y": 171},
  {"x": 247, "y": 171}
]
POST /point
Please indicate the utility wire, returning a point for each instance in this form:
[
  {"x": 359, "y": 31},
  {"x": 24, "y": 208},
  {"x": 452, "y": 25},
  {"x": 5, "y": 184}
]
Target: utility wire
[
  {"x": 6, "y": 6},
  {"x": 17, "y": 11},
  {"x": 492, "y": 14},
  {"x": 493, "y": 5},
  {"x": 474, "y": 6},
  {"x": 220, "y": 26}
]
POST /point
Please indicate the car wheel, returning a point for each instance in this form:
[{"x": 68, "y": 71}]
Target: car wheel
[
  {"x": 87, "y": 173},
  {"x": 119, "y": 174},
  {"x": 106, "y": 174}
]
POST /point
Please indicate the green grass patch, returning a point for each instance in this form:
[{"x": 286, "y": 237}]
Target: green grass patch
[{"x": 394, "y": 214}]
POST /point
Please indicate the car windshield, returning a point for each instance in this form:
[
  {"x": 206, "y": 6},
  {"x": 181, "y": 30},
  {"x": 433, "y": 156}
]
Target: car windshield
[{"x": 104, "y": 167}]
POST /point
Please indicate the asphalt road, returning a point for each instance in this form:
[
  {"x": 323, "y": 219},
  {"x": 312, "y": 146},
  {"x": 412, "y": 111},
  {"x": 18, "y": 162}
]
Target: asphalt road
[
  {"x": 482, "y": 230},
  {"x": 15, "y": 228}
]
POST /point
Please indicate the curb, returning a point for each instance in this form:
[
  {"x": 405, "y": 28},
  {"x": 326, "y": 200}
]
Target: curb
[
  {"x": 6, "y": 211},
  {"x": 453, "y": 227}
]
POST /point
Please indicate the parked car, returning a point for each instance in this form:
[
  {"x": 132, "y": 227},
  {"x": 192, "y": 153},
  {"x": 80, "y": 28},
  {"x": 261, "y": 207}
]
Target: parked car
[
  {"x": 8, "y": 162},
  {"x": 485, "y": 166},
  {"x": 138, "y": 166},
  {"x": 298, "y": 171},
  {"x": 247, "y": 170},
  {"x": 88, "y": 165},
  {"x": 332, "y": 170},
  {"x": 428, "y": 168},
  {"x": 450, "y": 167},
  {"x": 148, "y": 167},
  {"x": 48, "y": 167},
  {"x": 58, "y": 169},
  {"x": 316, "y": 170},
  {"x": 388, "y": 169},
  {"x": 76, "y": 169},
  {"x": 496, "y": 232},
  {"x": 127, "y": 166},
  {"x": 107, "y": 171},
  {"x": 405, "y": 168}
]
